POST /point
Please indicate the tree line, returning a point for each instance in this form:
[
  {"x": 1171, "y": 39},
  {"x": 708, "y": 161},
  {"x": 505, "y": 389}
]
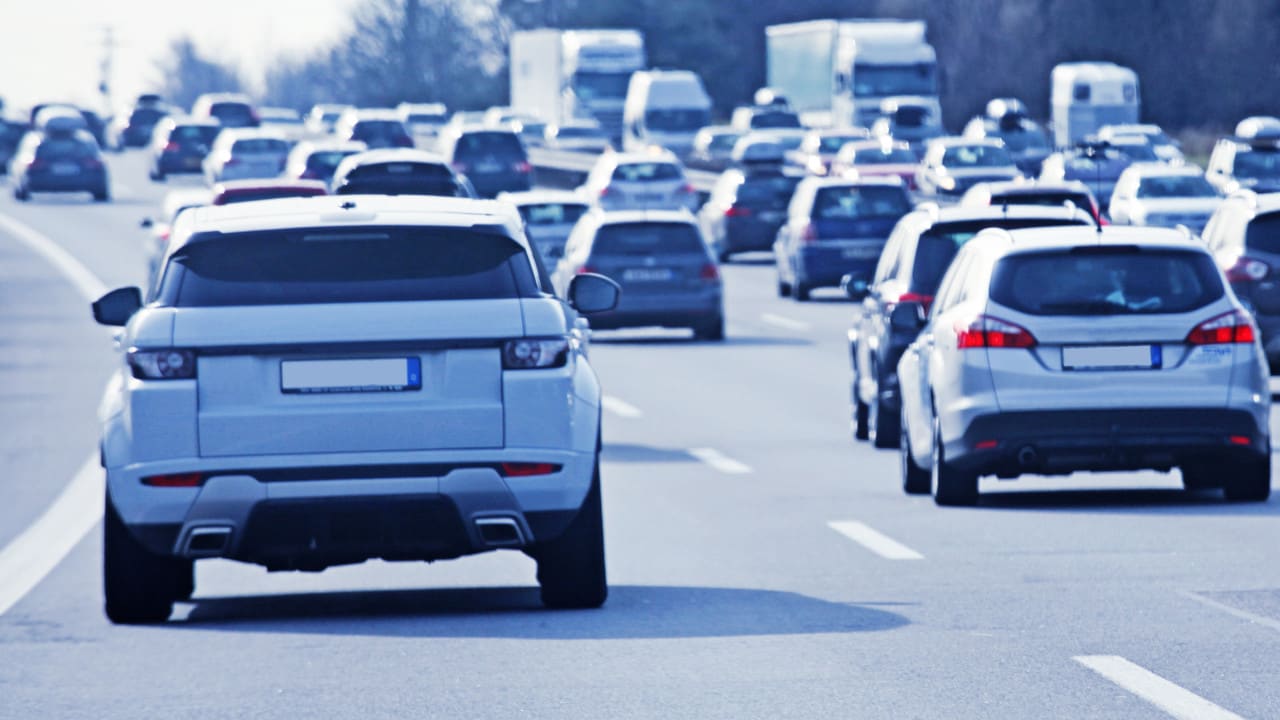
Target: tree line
[{"x": 1201, "y": 64}]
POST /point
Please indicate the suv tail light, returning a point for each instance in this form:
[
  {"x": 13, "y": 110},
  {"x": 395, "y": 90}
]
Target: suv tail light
[
  {"x": 585, "y": 269},
  {"x": 535, "y": 353},
  {"x": 167, "y": 364},
  {"x": 1225, "y": 329},
  {"x": 527, "y": 469},
  {"x": 988, "y": 332},
  {"x": 809, "y": 233},
  {"x": 1247, "y": 269},
  {"x": 171, "y": 147},
  {"x": 925, "y": 300},
  {"x": 175, "y": 480},
  {"x": 736, "y": 211},
  {"x": 523, "y": 167},
  {"x": 688, "y": 189},
  {"x": 709, "y": 273}
]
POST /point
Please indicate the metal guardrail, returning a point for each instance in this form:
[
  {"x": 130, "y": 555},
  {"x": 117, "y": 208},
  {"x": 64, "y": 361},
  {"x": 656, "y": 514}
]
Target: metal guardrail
[{"x": 562, "y": 169}]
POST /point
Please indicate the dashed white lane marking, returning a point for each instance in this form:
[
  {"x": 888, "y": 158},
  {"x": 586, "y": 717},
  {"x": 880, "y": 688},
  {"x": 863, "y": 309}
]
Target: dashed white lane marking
[
  {"x": 1174, "y": 699},
  {"x": 873, "y": 540},
  {"x": 620, "y": 407},
  {"x": 85, "y": 282},
  {"x": 1242, "y": 614},
  {"x": 31, "y": 556},
  {"x": 784, "y": 322},
  {"x": 719, "y": 461}
]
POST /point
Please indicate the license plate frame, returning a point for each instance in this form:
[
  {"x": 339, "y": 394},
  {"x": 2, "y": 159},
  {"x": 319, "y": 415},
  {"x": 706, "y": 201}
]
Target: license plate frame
[
  {"x": 65, "y": 169},
  {"x": 865, "y": 252},
  {"x": 350, "y": 375},
  {"x": 648, "y": 275},
  {"x": 1095, "y": 358}
]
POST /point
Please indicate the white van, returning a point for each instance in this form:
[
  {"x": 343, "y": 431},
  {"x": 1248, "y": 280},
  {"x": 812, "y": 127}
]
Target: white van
[
  {"x": 664, "y": 108},
  {"x": 1088, "y": 95}
]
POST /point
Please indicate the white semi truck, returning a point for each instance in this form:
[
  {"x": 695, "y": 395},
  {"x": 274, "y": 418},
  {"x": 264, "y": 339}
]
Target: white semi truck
[
  {"x": 562, "y": 75},
  {"x": 835, "y": 73}
]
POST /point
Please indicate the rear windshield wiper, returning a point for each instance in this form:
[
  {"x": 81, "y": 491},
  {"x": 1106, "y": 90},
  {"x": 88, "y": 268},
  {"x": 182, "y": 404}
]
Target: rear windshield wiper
[{"x": 1085, "y": 307}]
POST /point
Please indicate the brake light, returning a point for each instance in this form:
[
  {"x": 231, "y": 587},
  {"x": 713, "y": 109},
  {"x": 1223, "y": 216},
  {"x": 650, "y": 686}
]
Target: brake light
[
  {"x": 688, "y": 189},
  {"x": 988, "y": 332},
  {"x": 1246, "y": 269},
  {"x": 527, "y": 469},
  {"x": 1226, "y": 329},
  {"x": 709, "y": 273},
  {"x": 309, "y": 174},
  {"x": 523, "y": 167},
  {"x": 604, "y": 191},
  {"x": 171, "y": 147},
  {"x": 735, "y": 211},
  {"x": 925, "y": 300},
  {"x": 585, "y": 269},
  {"x": 809, "y": 233},
  {"x": 174, "y": 480},
  {"x": 92, "y": 163}
]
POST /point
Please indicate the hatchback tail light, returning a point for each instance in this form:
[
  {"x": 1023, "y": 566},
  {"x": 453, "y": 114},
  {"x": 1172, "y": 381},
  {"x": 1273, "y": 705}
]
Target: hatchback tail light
[
  {"x": 989, "y": 332},
  {"x": 809, "y": 233},
  {"x": 1247, "y": 269},
  {"x": 737, "y": 211},
  {"x": 93, "y": 163},
  {"x": 522, "y": 167},
  {"x": 709, "y": 272},
  {"x": 175, "y": 480},
  {"x": 171, "y": 147},
  {"x": 1225, "y": 329}
]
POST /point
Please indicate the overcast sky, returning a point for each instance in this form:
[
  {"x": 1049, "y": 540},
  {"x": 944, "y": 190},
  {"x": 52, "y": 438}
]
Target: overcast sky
[{"x": 53, "y": 49}]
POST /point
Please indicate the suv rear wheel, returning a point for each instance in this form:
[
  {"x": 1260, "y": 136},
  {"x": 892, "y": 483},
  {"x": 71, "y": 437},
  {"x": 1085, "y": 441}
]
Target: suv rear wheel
[
  {"x": 139, "y": 587},
  {"x": 571, "y": 568},
  {"x": 1248, "y": 480}
]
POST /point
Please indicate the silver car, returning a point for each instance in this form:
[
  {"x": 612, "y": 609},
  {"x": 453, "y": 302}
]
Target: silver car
[
  {"x": 640, "y": 181},
  {"x": 245, "y": 154},
  {"x": 549, "y": 217},
  {"x": 1164, "y": 196},
  {"x": 1054, "y": 350}
]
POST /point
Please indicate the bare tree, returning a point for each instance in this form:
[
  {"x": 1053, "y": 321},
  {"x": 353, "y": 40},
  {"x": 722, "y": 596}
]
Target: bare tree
[{"x": 187, "y": 74}]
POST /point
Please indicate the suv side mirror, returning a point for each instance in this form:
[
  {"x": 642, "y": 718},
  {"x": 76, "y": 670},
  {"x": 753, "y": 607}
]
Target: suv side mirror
[
  {"x": 590, "y": 293},
  {"x": 907, "y": 317},
  {"x": 116, "y": 307}
]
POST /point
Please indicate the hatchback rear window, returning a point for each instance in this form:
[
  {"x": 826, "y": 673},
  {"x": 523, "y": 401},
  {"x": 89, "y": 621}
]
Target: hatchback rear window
[
  {"x": 405, "y": 178},
  {"x": 186, "y": 134},
  {"x": 53, "y": 148},
  {"x": 482, "y": 144},
  {"x": 146, "y": 116},
  {"x": 1263, "y": 234},
  {"x": 232, "y": 197},
  {"x": 774, "y": 119},
  {"x": 1175, "y": 186},
  {"x": 1106, "y": 280},
  {"x": 647, "y": 172},
  {"x": 552, "y": 213},
  {"x": 938, "y": 247},
  {"x": 852, "y": 202},
  {"x": 260, "y": 145},
  {"x": 892, "y": 156},
  {"x": 1257, "y": 164},
  {"x": 649, "y": 239},
  {"x": 774, "y": 191},
  {"x": 347, "y": 265}
]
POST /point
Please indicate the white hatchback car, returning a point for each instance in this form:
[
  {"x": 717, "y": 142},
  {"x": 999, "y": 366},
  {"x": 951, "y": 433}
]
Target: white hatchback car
[
  {"x": 1164, "y": 196},
  {"x": 640, "y": 181},
  {"x": 1055, "y": 350},
  {"x": 322, "y": 381}
]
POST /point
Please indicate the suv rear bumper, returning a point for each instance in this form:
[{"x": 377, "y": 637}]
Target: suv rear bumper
[{"x": 1060, "y": 442}]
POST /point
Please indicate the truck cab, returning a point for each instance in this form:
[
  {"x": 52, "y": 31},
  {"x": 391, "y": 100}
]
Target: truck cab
[{"x": 1087, "y": 95}]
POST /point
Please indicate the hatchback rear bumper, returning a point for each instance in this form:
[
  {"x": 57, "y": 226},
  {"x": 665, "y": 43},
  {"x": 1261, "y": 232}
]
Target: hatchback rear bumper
[{"x": 1060, "y": 442}]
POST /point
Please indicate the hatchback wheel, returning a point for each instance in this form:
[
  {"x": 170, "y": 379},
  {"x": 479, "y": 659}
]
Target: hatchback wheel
[
  {"x": 571, "y": 568},
  {"x": 784, "y": 288},
  {"x": 1200, "y": 477},
  {"x": 915, "y": 479},
  {"x": 139, "y": 587},
  {"x": 885, "y": 428},
  {"x": 712, "y": 329},
  {"x": 861, "y": 415},
  {"x": 801, "y": 292},
  {"x": 951, "y": 486},
  {"x": 1248, "y": 480}
]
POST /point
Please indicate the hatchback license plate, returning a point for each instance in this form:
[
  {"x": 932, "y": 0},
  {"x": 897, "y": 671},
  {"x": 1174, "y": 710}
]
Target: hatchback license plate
[
  {"x": 861, "y": 253},
  {"x": 1112, "y": 357},
  {"x": 647, "y": 274},
  {"x": 66, "y": 169},
  {"x": 345, "y": 376}
]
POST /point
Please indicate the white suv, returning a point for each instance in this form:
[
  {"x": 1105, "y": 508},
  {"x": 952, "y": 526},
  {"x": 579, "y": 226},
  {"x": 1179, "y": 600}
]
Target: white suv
[
  {"x": 1055, "y": 350},
  {"x": 322, "y": 381}
]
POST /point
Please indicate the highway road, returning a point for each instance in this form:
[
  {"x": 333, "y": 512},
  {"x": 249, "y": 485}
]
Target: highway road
[{"x": 762, "y": 564}]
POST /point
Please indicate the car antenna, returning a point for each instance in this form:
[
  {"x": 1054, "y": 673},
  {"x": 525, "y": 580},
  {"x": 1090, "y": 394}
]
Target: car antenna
[{"x": 1093, "y": 149}]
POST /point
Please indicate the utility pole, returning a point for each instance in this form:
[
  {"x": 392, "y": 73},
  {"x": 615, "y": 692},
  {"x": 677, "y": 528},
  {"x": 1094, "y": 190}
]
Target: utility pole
[{"x": 105, "y": 67}]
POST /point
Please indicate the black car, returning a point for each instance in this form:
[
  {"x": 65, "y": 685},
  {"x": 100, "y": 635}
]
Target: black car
[
  {"x": 915, "y": 258},
  {"x": 136, "y": 131},
  {"x": 493, "y": 160},
  {"x": 59, "y": 162},
  {"x": 397, "y": 172},
  {"x": 179, "y": 147},
  {"x": 745, "y": 210}
]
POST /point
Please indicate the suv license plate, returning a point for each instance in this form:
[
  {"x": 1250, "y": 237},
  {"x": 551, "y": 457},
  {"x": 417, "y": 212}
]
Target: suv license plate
[
  {"x": 346, "y": 376},
  {"x": 1112, "y": 357}
]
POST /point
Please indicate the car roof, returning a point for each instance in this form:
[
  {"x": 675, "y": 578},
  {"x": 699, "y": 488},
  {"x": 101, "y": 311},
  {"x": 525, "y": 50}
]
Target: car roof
[
  {"x": 268, "y": 184},
  {"x": 615, "y": 217},
  {"x": 363, "y": 114},
  {"x": 327, "y": 211},
  {"x": 874, "y": 144},
  {"x": 392, "y": 155},
  {"x": 330, "y": 143},
  {"x": 1157, "y": 169},
  {"x": 813, "y": 181},
  {"x": 233, "y": 134},
  {"x": 957, "y": 213},
  {"x": 534, "y": 197},
  {"x": 955, "y": 141},
  {"x": 1027, "y": 240},
  {"x": 1033, "y": 187},
  {"x": 628, "y": 158}
]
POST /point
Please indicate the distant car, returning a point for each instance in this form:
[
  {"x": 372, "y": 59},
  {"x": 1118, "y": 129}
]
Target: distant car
[
  {"x": 321, "y": 119},
  {"x": 819, "y": 148},
  {"x": 577, "y": 136},
  {"x": 63, "y": 118},
  {"x": 908, "y": 119},
  {"x": 493, "y": 160},
  {"x": 245, "y": 154},
  {"x": 667, "y": 273},
  {"x": 285, "y": 120},
  {"x": 133, "y": 128},
  {"x": 238, "y": 191},
  {"x": 1006, "y": 120},
  {"x": 180, "y": 145},
  {"x": 745, "y": 209},
  {"x": 375, "y": 128},
  {"x": 713, "y": 146},
  {"x": 549, "y": 217},
  {"x": 1033, "y": 192},
  {"x": 1244, "y": 237},
  {"x": 398, "y": 172},
  {"x": 1166, "y": 148},
  {"x": 639, "y": 181},
  {"x": 917, "y": 254},
  {"x": 423, "y": 120},
  {"x": 836, "y": 228},
  {"x": 876, "y": 158},
  {"x": 231, "y": 110},
  {"x": 1098, "y": 165},
  {"x": 763, "y": 117},
  {"x": 953, "y": 165},
  {"x": 318, "y": 159},
  {"x": 1163, "y": 196},
  {"x": 1050, "y": 351},
  {"x": 59, "y": 162},
  {"x": 159, "y": 227},
  {"x": 1248, "y": 160}
]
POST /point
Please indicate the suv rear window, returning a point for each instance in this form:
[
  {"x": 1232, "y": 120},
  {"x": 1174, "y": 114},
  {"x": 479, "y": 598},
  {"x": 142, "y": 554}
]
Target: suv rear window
[
  {"x": 1263, "y": 233},
  {"x": 231, "y": 197},
  {"x": 1106, "y": 280},
  {"x": 852, "y": 202},
  {"x": 1044, "y": 199},
  {"x": 65, "y": 148},
  {"x": 649, "y": 239},
  {"x": 347, "y": 265},
  {"x": 192, "y": 134},
  {"x": 233, "y": 114},
  {"x": 482, "y": 144},
  {"x": 327, "y": 160},
  {"x": 647, "y": 172},
  {"x": 938, "y": 247}
]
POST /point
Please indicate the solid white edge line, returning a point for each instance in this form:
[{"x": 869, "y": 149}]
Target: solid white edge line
[
  {"x": 873, "y": 540},
  {"x": 1169, "y": 697},
  {"x": 620, "y": 407},
  {"x": 1242, "y": 614},
  {"x": 85, "y": 282},
  {"x": 784, "y": 322},
  {"x": 719, "y": 461},
  {"x": 31, "y": 556}
]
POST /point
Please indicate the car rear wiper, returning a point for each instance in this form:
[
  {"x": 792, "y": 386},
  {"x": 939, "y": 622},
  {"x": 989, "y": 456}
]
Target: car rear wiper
[{"x": 1085, "y": 307}]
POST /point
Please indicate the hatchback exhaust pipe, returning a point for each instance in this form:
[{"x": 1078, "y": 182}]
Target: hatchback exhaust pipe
[
  {"x": 500, "y": 532},
  {"x": 206, "y": 542},
  {"x": 1028, "y": 457}
]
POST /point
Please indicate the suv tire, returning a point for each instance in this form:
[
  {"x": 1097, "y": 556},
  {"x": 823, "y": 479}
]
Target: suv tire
[
  {"x": 886, "y": 430},
  {"x": 915, "y": 479},
  {"x": 861, "y": 415},
  {"x": 139, "y": 587},
  {"x": 784, "y": 288},
  {"x": 712, "y": 329},
  {"x": 1248, "y": 480},
  {"x": 950, "y": 485},
  {"x": 571, "y": 568}
]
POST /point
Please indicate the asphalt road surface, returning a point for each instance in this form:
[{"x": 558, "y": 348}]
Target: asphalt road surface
[{"x": 762, "y": 564}]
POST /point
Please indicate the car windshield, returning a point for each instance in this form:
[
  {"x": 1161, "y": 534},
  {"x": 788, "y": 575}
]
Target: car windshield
[
  {"x": 1137, "y": 152},
  {"x": 346, "y": 265},
  {"x": 723, "y": 141},
  {"x": 260, "y": 145},
  {"x": 404, "y": 178},
  {"x": 579, "y": 133},
  {"x": 552, "y": 213},
  {"x": 1257, "y": 164},
  {"x": 886, "y": 80},
  {"x": 1176, "y": 186},
  {"x": 854, "y": 202},
  {"x": 145, "y": 116},
  {"x": 767, "y": 190},
  {"x": 938, "y": 247},
  {"x": 600, "y": 85},
  {"x": 1044, "y": 199},
  {"x": 648, "y": 239},
  {"x": 194, "y": 134},
  {"x": 1263, "y": 234},
  {"x": 911, "y": 117},
  {"x": 1106, "y": 280},
  {"x": 647, "y": 172},
  {"x": 427, "y": 118},
  {"x": 486, "y": 144},
  {"x": 884, "y": 156},
  {"x": 377, "y": 130},
  {"x": 1028, "y": 137},
  {"x": 232, "y": 114},
  {"x": 962, "y": 156},
  {"x": 676, "y": 119},
  {"x": 765, "y": 119},
  {"x": 327, "y": 160}
]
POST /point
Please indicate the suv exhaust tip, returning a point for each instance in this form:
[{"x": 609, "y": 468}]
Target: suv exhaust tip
[
  {"x": 500, "y": 532},
  {"x": 206, "y": 542},
  {"x": 1028, "y": 457}
]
